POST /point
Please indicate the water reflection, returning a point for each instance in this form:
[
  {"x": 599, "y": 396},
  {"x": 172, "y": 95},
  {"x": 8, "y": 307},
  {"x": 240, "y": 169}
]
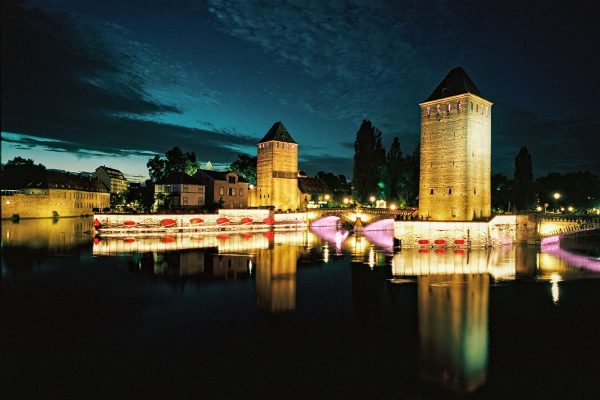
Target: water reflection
[
  {"x": 453, "y": 329},
  {"x": 276, "y": 279}
]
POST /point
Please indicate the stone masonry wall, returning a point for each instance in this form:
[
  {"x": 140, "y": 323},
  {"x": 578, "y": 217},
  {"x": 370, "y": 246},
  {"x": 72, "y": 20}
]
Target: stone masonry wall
[
  {"x": 67, "y": 203},
  {"x": 455, "y": 159}
]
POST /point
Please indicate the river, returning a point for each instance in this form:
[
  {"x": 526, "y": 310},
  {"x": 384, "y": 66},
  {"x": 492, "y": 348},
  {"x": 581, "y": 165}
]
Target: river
[{"x": 304, "y": 314}]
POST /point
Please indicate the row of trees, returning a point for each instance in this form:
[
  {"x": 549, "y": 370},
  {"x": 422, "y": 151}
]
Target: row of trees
[
  {"x": 523, "y": 193},
  {"x": 392, "y": 177}
]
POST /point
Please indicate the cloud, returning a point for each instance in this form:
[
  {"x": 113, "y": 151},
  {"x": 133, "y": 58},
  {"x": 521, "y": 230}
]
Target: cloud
[
  {"x": 367, "y": 55},
  {"x": 94, "y": 91},
  {"x": 555, "y": 145},
  {"x": 312, "y": 164}
]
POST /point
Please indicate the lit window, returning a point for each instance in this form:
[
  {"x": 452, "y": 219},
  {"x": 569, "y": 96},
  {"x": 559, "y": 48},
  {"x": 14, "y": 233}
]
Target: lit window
[
  {"x": 221, "y": 191},
  {"x": 428, "y": 111},
  {"x": 448, "y": 107},
  {"x": 437, "y": 107},
  {"x": 458, "y": 106}
]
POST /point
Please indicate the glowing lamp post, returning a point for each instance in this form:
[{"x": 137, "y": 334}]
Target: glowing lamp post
[
  {"x": 346, "y": 201},
  {"x": 556, "y": 197},
  {"x": 372, "y": 200}
]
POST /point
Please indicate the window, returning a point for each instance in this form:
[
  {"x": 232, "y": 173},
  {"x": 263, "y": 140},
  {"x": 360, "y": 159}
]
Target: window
[
  {"x": 241, "y": 192},
  {"x": 200, "y": 188},
  {"x": 231, "y": 192},
  {"x": 431, "y": 191},
  {"x": 231, "y": 179},
  {"x": 449, "y": 190},
  {"x": 221, "y": 191},
  {"x": 428, "y": 111},
  {"x": 448, "y": 107},
  {"x": 185, "y": 188},
  {"x": 471, "y": 106},
  {"x": 474, "y": 191},
  {"x": 458, "y": 105},
  {"x": 437, "y": 107},
  {"x": 185, "y": 200},
  {"x": 477, "y": 107}
]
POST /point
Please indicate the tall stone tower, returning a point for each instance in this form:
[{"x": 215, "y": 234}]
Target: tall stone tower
[
  {"x": 277, "y": 170},
  {"x": 455, "y": 151}
]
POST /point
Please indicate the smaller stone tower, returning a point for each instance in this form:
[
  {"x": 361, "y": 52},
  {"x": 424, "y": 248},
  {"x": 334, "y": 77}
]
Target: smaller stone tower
[{"x": 277, "y": 170}]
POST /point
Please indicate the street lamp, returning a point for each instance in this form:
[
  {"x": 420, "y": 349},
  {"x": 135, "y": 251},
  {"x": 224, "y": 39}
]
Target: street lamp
[
  {"x": 556, "y": 197},
  {"x": 346, "y": 200},
  {"x": 372, "y": 199}
]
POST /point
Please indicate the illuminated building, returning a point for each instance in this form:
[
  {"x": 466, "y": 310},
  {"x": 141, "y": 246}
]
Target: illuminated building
[
  {"x": 277, "y": 170},
  {"x": 226, "y": 187},
  {"x": 179, "y": 191},
  {"x": 455, "y": 151},
  {"x": 113, "y": 179}
]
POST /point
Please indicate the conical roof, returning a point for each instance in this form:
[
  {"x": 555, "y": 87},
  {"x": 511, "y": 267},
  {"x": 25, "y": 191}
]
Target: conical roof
[
  {"x": 279, "y": 133},
  {"x": 456, "y": 82}
]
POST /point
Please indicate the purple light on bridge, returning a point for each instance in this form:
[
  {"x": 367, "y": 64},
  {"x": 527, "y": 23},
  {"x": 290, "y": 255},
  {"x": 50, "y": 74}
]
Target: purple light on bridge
[
  {"x": 382, "y": 238},
  {"x": 325, "y": 221},
  {"x": 330, "y": 234},
  {"x": 381, "y": 225},
  {"x": 576, "y": 260}
]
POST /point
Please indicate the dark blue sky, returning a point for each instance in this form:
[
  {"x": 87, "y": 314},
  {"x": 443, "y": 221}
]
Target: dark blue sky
[{"x": 86, "y": 83}]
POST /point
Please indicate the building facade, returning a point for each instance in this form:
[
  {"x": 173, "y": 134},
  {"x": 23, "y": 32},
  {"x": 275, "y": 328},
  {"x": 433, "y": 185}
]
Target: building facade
[
  {"x": 180, "y": 192},
  {"x": 112, "y": 178},
  {"x": 54, "y": 194},
  {"x": 277, "y": 170},
  {"x": 225, "y": 188},
  {"x": 455, "y": 152}
]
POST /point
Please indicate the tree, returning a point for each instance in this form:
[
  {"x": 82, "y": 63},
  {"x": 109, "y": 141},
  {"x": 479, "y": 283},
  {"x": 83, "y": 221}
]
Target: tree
[
  {"x": 409, "y": 177},
  {"x": 524, "y": 191},
  {"x": 176, "y": 162},
  {"x": 369, "y": 162},
  {"x": 394, "y": 170},
  {"x": 500, "y": 191},
  {"x": 245, "y": 166},
  {"x": 18, "y": 171}
]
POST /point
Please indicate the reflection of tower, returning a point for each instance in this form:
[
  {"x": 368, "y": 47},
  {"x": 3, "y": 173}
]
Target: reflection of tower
[
  {"x": 276, "y": 279},
  {"x": 453, "y": 327},
  {"x": 455, "y": 151},
  {"x": 277, "y": 170}
]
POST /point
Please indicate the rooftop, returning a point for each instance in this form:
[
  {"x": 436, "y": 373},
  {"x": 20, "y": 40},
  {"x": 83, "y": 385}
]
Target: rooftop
[
  {"x": 279, "y": 133},
  {"x": 456, "y": 82}
]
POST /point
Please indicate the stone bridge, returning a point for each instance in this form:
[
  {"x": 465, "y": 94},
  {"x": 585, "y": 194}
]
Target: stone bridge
[
  {"x": 562, "y": 225},
  {"x": 330, "y": 216}
]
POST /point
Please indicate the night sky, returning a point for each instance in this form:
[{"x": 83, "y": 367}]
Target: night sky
[{"x": 87, "y": 83}]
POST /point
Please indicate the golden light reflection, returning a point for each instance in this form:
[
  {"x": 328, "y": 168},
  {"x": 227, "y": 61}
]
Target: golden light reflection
[
  {"x": 554, "y": 279},
  {"x": 453, "y": 329},
  {"x": 276, "y": 279}
]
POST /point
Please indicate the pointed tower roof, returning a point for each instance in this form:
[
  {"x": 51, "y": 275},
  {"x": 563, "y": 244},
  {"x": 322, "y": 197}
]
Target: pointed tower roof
[
  {"x": 456, "y": 82},
  {"x": 279, "y": 133}
]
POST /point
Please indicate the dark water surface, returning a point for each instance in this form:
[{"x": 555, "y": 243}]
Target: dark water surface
[{"x": 292, "y": 315}]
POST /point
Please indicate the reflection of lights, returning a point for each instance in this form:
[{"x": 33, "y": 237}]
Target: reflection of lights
[
  {"x": 326, "y": 253},
  {"x": 372, "y": 258},
  {"x": 338, "y": 241},
  {"x": 250, "y": 267},
  {"x": 554, "y": 279}
]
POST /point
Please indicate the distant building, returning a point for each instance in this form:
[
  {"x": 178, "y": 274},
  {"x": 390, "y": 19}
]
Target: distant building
[
  {"x": 338, "y": 185},
  {"x": 455, "y": 151},
  {"x": 52, "y": 194},
  {"x": 180, "y": 192},
  {"x": 277, "y": 170},
  {"x": 226, "y": 187},
  {"x": 112, "y": 178},
  {"x": 313, "y": 192}
]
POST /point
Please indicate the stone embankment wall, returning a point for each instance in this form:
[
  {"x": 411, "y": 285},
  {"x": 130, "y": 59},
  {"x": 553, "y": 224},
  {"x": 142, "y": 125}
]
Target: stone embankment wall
[{"x": 67, "y": 203}]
